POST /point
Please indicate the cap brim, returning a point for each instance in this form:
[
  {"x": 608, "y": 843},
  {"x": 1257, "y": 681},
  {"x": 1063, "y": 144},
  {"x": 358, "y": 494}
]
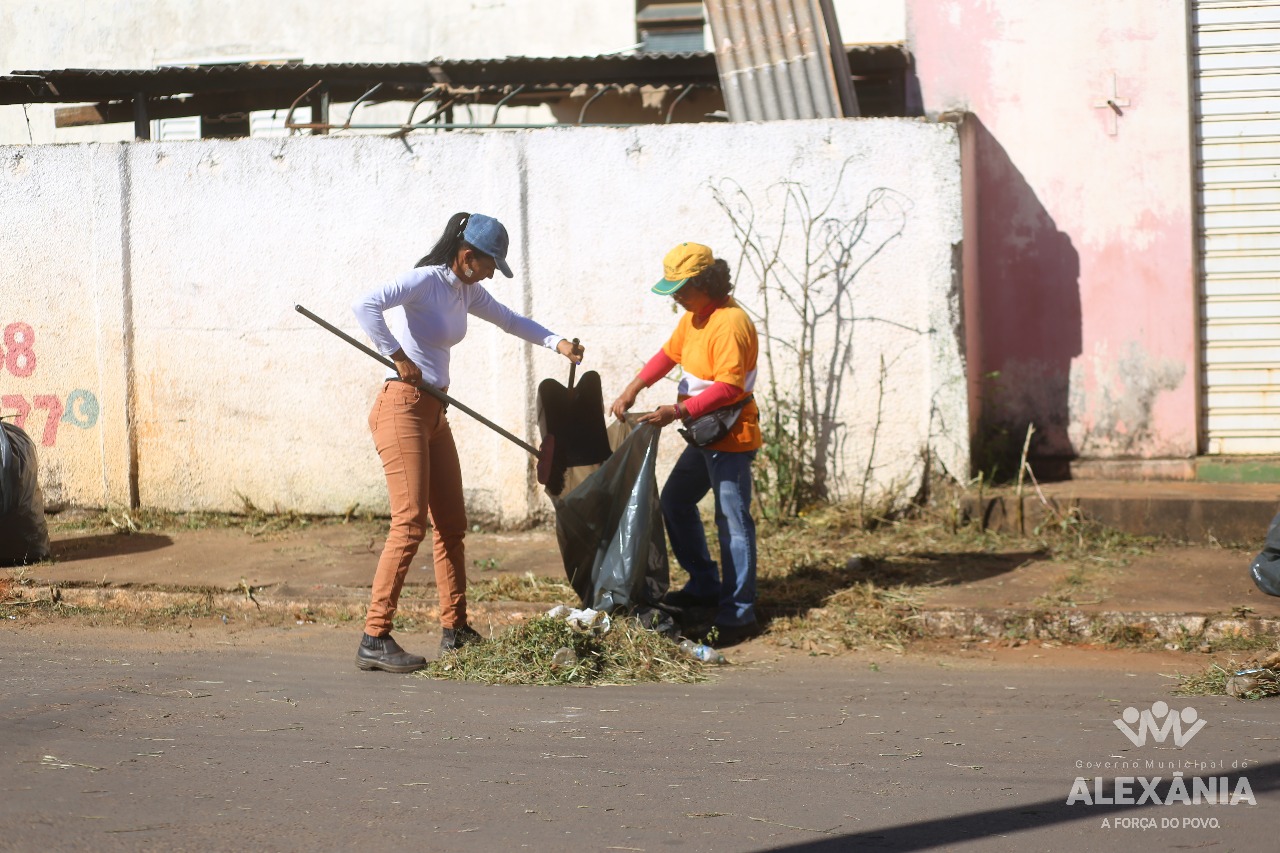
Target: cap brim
[
  {"x": 666, "y": 287},
  {"x": 502, "y": 265}
]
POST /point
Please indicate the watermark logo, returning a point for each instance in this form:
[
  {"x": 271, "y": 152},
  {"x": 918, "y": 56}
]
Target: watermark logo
[
  {"x": 1188, "y": 781},
  {"x": 1159, "y": 722}
]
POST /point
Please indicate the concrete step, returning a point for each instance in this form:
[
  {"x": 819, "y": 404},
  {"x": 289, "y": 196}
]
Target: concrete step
[
  {"x": 1228, "y": 513},
  {"x": 1203, "y": 469}
]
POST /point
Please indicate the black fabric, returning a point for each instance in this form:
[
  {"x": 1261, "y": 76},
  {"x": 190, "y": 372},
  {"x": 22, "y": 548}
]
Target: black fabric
[
  {"x": 24, "y": 533},
  {"x": 575, "y": 417},
  {"x": 611, "y": 536},
  {"x": 1265, "y": 568}
]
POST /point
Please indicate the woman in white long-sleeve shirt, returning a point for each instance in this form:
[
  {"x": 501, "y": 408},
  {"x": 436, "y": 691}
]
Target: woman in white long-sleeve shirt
[{"x": 411, "y": 431}]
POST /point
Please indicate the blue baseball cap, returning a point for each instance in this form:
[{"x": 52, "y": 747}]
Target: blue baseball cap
[{"x": 488, "y": 235}]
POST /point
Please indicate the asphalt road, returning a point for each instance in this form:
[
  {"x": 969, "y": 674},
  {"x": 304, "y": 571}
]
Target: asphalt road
[{"x": 270, "y": 739}]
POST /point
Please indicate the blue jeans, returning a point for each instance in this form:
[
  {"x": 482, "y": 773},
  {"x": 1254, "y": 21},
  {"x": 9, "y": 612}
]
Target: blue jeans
[{"x": 697, "y": 472}]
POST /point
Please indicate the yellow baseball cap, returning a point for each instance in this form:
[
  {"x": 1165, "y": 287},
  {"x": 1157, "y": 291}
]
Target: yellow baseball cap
[{"x": 681, "y": 264}]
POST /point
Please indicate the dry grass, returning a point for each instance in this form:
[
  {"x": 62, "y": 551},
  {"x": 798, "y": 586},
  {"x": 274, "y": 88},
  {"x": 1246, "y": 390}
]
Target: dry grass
[
  {"x": 829, "y": 581},
  {"x": 832, "y": 580},
  {"x": 628, "y": 654},
  {"x": 1212, "y": 681},
  {"x": 251, "y": 518},
  {"x": 860, "y": 616},
  {"x": 1254, "y": 678},
  {"x": 527, "y": 587}
]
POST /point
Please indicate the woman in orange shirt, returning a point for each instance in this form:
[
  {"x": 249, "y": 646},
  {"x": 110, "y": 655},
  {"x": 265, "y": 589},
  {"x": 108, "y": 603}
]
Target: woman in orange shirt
[{"x": 716, "y": 345}]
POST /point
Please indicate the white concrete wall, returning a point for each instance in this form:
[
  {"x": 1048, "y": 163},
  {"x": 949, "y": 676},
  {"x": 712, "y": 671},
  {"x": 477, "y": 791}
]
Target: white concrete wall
[
  {"x": 62, "y": 280},
  {"x": 194, "y": 253},
  {"x": 870, "y": 21}
]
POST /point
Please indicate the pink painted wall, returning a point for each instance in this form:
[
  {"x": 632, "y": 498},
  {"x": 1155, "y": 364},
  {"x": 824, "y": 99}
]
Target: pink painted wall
[{"x": 1080, "y": 286}]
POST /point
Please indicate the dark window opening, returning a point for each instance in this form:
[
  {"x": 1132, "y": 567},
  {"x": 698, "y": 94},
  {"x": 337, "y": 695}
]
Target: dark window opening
[{"x": 670, "y": 27}]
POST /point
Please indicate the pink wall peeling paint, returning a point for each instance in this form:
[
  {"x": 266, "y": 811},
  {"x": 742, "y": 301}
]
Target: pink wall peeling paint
[{"x": 1083, "y": 296}]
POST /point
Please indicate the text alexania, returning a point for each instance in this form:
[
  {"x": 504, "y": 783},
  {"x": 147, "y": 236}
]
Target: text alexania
[{"x": 1139, "y": 790}]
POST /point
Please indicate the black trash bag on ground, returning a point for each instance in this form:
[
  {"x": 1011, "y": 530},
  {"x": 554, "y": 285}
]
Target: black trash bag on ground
[
  {"x": 609, "y": 527},
  {"x": 24, "y": 534},
  {"x": 1265, "y": 568}
]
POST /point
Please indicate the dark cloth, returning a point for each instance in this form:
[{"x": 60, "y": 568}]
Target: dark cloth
[
  {"x": 1265, "y": 568},
  {"x": 24, "y": 533}
]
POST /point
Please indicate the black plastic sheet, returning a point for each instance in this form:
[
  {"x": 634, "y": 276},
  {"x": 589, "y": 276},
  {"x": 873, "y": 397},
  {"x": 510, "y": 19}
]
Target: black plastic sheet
[
  {"x": 24, "y": 534},
  {"x": 574, "y": 416},
  {"x": 1265, "y": 568},
  {"x": 610, "y": 531}
]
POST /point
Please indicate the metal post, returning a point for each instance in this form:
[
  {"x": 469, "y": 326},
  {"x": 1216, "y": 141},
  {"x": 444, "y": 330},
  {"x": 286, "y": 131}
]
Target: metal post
[
  {"x": 840, "y": 62},
  {"x": 141, "y": 124},
  {"x": 320, "y": 112}
]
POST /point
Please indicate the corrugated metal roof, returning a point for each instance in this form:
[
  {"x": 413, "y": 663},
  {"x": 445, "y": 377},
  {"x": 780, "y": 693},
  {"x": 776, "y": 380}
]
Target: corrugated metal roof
[
  {"x": 228, "y": 88},
  {"x": 76, "y": 85},
  {"x": 777, "y": 61}
]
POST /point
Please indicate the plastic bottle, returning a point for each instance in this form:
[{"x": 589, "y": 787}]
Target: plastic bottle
[
  {"x": 1252, "y": 683},
  {"x": 564, "y": 656},
  {"x": 700, "y": 652}
]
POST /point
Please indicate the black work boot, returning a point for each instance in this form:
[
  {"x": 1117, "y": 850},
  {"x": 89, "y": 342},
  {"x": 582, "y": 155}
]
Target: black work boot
[
  {"x": 385, "y": 654},
  {"x": 452, "y": 639}
]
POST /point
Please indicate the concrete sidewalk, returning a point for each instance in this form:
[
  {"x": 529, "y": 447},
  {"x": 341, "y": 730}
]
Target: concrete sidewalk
[{"x": 1192, "y": 593}]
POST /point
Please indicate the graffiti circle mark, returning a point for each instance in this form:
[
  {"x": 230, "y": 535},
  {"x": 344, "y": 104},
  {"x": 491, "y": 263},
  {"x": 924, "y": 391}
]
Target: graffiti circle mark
[{"x": 82, "y": 409}]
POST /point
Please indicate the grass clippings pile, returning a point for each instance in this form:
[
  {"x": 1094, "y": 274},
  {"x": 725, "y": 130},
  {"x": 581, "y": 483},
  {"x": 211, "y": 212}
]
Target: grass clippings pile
[
  {"x": 628, "y": 654},
  {"x": 1256, "y": 679}
]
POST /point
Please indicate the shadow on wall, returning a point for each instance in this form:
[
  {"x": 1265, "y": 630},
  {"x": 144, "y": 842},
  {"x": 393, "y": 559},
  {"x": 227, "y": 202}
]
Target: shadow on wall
[{"x": 1028, "y": 318}]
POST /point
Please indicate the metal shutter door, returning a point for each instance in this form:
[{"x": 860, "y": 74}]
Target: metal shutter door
[{"x": 1237, "y": 90}]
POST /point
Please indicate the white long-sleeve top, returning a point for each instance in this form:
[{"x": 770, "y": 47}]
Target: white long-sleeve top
[{"x": 436, "y": 304}]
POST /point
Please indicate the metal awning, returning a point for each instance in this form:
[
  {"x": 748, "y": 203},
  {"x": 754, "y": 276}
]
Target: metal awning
[
  {"x": 347, "y": 81},
  {"x": 119, "y": 95}
]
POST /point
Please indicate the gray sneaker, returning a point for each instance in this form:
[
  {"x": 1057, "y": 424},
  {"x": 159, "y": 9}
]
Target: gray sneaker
[
  {"x": 385, "y": 654},
  {"x": 452, "y": 639}
]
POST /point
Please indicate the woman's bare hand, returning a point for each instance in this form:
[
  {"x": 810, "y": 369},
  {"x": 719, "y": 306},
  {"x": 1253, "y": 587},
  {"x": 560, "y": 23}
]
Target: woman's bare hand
[
  {"x": 623, "y": 404},
  {"x": 406, "y": 369},
  {"x": 660, "y": 416},
  {"x": 571, "y": 351}
]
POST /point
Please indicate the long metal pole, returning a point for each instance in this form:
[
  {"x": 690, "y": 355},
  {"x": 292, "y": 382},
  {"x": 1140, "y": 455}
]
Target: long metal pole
[{"x": 430, "y": 389}]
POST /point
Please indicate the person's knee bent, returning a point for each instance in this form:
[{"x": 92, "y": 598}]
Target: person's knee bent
[{"x": 410, "y": 531}]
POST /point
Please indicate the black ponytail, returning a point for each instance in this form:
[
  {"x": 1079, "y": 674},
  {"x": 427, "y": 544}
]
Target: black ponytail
[{"x": 450, "y": 242}]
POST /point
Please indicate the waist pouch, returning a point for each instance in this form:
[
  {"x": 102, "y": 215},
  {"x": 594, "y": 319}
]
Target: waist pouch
[{"x": 715, "y": 424}]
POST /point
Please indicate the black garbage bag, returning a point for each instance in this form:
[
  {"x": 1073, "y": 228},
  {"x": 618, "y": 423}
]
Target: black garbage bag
[
  {"x": 610, "y": 532},
  {"x": 1265, "y": 568},
  {"x": 24, "y": 534}
]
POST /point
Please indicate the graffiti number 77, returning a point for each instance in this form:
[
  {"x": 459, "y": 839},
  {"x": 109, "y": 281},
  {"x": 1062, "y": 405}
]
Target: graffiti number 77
[{"x": 42, "y": 401}]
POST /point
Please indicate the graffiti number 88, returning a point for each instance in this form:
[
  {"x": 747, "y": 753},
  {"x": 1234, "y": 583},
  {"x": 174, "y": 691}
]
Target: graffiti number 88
[{"x": 17, "y": 354}]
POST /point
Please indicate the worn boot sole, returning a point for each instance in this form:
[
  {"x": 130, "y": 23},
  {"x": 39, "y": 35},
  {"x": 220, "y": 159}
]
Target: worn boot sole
[{"x": 370, "y": 665}]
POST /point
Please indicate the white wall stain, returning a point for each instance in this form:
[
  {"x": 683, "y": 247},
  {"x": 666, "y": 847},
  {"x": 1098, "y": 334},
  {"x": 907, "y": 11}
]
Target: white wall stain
[{"x": 1112, "y": 400}]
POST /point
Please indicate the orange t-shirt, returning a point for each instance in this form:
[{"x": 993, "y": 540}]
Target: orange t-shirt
[{"x": 721, "y": 347}]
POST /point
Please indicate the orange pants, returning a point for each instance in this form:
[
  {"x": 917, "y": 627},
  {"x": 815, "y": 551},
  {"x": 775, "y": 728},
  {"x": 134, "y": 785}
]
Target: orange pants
[{"x": 424, "y": 483}]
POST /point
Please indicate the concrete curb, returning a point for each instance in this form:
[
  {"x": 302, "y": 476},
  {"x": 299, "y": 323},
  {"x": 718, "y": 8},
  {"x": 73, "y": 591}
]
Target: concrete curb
[
  {"x": 342, "y": 604},
  {"x": 334, "y": 603},
  {"x": 1095, "y": 626}
]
